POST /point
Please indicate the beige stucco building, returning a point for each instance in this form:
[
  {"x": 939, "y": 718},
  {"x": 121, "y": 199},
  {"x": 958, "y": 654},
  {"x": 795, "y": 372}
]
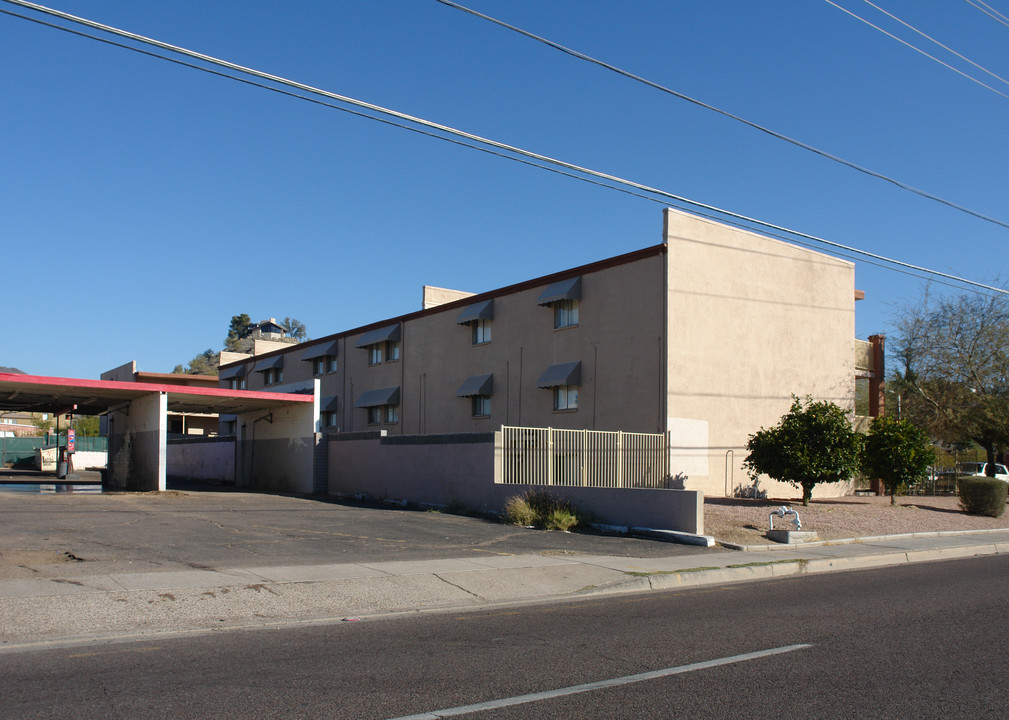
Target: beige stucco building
[{"x": 706, "y": 335}]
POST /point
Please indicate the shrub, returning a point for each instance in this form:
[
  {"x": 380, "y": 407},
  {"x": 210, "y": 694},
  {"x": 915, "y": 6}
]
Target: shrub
[
  {"x": 982, "y": 496},
  {"x": 541, "y": 509}
]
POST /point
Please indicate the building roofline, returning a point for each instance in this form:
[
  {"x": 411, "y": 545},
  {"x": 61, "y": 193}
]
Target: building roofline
[{"x": 592, "y": 267}]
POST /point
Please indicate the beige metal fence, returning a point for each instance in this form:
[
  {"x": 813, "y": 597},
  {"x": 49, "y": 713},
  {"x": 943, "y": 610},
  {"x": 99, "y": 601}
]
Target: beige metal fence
[{"x": 584, "y": 458}]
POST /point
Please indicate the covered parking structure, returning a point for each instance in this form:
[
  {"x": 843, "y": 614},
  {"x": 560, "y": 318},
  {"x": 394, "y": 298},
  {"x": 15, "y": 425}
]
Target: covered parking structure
[{"x": 284, "y": 425}]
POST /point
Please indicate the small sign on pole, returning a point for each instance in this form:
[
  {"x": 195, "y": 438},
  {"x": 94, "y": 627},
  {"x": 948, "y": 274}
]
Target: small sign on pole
[{"x": 71, "y": 436}]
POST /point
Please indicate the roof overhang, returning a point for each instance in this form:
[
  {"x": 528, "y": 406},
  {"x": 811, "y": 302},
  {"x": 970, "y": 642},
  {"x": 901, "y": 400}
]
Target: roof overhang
[{"x": 36, "y": 393}]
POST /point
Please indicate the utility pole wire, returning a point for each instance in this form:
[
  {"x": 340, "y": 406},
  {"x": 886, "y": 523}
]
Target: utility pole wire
[
  {"x": 916, "y": 49},
  {"x": 725, "y": 113},
  {"x": 989, "y": 11},
  {"x": 933, "y": 40},
  {"x": 508, "y": 151}
]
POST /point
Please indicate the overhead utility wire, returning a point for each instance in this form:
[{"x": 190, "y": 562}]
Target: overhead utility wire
[
  {"x": 333, "y": 106},
  {"x": 594, "y": 176},
  {"x": 933, "y": 40},
  {"x": 989, "y": 11},
  {"x": 917, "y": 49},
  {"x": 725, "y": 113}
]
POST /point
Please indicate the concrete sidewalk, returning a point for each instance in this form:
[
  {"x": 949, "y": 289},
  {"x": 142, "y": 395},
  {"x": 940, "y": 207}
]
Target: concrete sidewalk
[{"x": 58, "y": 611}]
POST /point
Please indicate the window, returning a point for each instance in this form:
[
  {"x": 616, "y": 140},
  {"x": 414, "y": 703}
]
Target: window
[
  {"x": 566, "y": 397},
  {"x": 481, "y": 405},
  {"x": 328, "y": 419},
  {"x": 481, "y": 331},
  {"x": 375, "y": 354},
  {"x": 323, "y": 365},
  {"x": 273, "y": 376},
  {"x": 383, "y": 414},
  {"x": 237, "y": 383},
  {"x": 392, "y": 351},
  {"x": 565, "y": 313}
]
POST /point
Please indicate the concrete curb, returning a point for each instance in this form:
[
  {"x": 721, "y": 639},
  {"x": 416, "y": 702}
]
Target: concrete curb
[{"x": 856, "y": 540}]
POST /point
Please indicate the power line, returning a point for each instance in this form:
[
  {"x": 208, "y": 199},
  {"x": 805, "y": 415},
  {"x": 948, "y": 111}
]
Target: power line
[
  {"x": 989, "y": 11},
  {"x": 725, "y": 113},
  {"x": 916, "y": 49},
  {"x": 933, "y": 40},
  {"x": 444, "y": 132}
]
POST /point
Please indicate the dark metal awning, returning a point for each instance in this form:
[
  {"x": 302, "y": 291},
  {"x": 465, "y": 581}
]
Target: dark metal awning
[
  {"x": 569, "y": 373},
  {"x": 375, "y": 398},
  {"x": 382, "y": 334},
  {"x": 477, "y": 311},
  {"x": 477, "y": 385},
  {"x": 570, "y": 289},
  {"x": 327, "y": 404},
  {"x": 272, "y": 363},
  {"x": 236, "y": 371},
  {"x": 321, "y": 350}
]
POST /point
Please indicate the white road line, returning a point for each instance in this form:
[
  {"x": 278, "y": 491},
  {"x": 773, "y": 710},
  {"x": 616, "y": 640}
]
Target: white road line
[{"x": 626, "y": 680}]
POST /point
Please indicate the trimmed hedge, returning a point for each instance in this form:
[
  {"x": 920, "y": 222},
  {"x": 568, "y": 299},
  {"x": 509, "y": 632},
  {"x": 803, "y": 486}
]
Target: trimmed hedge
[{"x": 982, "y": 496}]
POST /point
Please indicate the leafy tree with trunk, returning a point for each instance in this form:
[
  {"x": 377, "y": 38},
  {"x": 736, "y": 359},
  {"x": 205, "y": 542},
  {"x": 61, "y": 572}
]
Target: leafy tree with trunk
[
  {"x": 813, "y": 443},
  {"x": 896, "y": 452},
  {"x": 295, "y": 329},
  {"x": 954, "y": 379}
]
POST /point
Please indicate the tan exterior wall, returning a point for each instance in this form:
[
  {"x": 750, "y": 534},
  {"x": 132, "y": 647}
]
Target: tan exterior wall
[{"x": 751, "y": 321}]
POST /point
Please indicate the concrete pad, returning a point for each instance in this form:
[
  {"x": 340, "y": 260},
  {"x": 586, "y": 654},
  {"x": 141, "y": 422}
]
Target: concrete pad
[
  {"x": 417, "y": 567},
  {"x": 312, "y": 573},
  {"x": 176, "y": 579},
  {"x": 522, "y": 583}
]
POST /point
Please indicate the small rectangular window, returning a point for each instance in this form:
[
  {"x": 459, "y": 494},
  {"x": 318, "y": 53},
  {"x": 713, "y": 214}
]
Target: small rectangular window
[
  {"x": 392, "y": 350},
  {"x": 375, "y": 354},
  {"x": 331, "y": 365},
  {"x": 566, "y": 397},
  {"x": 565, "y": 313},
  {"x": 481, "y": 331},
  {"x": 374, "y": 415},
  {"x": 328, "y": 419},
  {"x": 392, "y": 413},
  {"x": 319, "y": 366},
  {"x": 481, "y": 405}
]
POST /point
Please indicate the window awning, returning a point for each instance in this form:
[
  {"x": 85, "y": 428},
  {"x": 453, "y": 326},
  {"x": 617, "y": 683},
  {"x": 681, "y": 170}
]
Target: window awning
[
  {"x": 327, "y": 404},
  {"x": 232, "y": 372},
  {"x": 374, "y": 398},
  {"x": 570, "y": 289},
  {"x": 320, "y": 350},
  {"x": 569, "y": 373},
  {"x": 476, "y": 385},
  {"x": 477, "y": 311},
  {"x": 272, "y": 363},
  {"x": 383, "y": 334}
]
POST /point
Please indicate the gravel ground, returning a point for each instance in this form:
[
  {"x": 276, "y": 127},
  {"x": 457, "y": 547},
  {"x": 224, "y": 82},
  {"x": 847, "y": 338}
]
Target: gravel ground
[{"x": 745, "y": 521}]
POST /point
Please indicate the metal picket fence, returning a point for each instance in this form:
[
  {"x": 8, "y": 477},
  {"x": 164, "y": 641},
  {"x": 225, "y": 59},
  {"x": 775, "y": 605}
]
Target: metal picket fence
[{"x": 584, "y": 458}]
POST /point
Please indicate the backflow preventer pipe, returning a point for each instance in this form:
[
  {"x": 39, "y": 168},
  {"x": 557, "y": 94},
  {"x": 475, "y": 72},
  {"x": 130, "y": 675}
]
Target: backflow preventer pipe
[{"x": 782, "y": 512}]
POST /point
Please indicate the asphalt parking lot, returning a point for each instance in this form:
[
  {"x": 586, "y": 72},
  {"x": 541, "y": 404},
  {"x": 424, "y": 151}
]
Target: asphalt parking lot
[{"x": 201, "y": 527}]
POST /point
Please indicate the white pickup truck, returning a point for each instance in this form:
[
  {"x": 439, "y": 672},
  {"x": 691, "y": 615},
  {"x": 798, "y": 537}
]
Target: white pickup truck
[{"x": 977, "y": 469}]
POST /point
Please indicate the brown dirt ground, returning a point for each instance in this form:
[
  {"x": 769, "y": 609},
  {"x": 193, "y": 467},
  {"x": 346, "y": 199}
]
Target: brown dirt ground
[{"x": 745, "y": 522}]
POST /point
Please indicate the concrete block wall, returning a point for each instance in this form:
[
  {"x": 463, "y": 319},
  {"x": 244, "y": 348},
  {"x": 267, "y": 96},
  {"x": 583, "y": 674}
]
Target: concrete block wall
[
  {"x": 460, "y": 469},
  {"x": 210, "y": 459}
]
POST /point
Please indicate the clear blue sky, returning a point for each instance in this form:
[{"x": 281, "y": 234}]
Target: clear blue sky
[{"x": 142, "y": 204}]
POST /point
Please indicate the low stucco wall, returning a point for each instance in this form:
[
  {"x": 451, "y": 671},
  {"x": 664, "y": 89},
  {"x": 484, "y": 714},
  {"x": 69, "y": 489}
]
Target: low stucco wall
[
  {"x": 460, "y": 469},
  {"x": 45, "y": 459},
  {"x": 210, "y": 459}
]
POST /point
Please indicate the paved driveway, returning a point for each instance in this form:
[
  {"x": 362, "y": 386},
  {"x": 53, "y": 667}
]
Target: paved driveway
[{"x": 196, "y": 528}]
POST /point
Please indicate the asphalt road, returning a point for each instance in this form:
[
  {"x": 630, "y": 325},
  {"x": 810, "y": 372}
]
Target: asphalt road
[{"x": 920, "y": 641}]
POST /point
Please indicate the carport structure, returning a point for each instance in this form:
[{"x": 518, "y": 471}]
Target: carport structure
[{"x": 283, "y": 424}]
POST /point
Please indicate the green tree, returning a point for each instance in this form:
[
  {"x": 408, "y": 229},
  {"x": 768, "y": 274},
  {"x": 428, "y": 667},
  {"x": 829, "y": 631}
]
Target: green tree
[
  {"x": 295, "y": 329},
  {"x": 240, "y": 326},
  {"x": 954, "y": 379},
  {"x": 813, "y": 443},
  {"x": 206, "y": 363},
  {"x": 44, "y": 423},
  {"x": 896, "y": 452}
]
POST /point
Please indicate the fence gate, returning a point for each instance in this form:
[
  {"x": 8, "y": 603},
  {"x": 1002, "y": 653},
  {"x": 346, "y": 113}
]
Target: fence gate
[{"x": 584, "y": 458}]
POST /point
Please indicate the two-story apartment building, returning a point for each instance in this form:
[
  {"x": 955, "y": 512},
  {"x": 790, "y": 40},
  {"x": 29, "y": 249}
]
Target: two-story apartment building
[{"x": 705, "y": 336}]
